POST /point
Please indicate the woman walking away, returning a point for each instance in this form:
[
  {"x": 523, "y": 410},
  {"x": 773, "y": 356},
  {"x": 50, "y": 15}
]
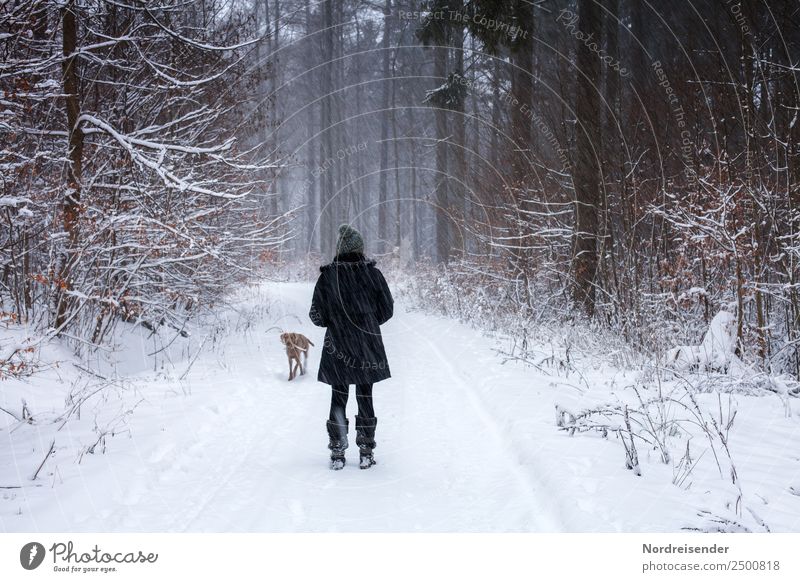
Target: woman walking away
[{"x": 351, "y": 299}]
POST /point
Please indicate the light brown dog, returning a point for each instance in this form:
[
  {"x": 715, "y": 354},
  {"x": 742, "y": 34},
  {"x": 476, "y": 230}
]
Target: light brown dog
[{"x": 295, "y": 344}]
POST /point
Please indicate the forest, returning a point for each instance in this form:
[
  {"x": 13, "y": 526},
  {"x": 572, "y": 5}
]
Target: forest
[
  {"x": 587, "y": 207},
  {"x": 630, "y": 163}
]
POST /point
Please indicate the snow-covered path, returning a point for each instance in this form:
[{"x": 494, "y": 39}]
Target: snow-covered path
[
  {"x": 465, "y": 443},
  {"x": 258, "y": 461},
  {"x": 245, "y": 450}
]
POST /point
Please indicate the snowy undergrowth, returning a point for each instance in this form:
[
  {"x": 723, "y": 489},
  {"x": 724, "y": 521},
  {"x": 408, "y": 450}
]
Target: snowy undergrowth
[
  {"x": 703, "y": 440},
  {"x": 60, "y": 406},
  {"x": 723, "y": 438}
]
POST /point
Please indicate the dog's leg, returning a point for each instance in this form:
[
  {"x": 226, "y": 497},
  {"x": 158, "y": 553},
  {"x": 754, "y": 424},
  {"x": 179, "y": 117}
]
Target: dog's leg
[
  {"x": 305, "y": 363},
  {"x": 291, "y": 374}
]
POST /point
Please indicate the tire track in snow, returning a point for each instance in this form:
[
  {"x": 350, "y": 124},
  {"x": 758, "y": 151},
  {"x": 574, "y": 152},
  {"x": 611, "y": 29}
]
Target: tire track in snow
[{"x": 547, "y": 520}]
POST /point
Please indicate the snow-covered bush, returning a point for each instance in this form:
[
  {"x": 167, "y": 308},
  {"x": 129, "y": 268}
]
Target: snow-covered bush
[
  {"x": 684, "y": 427},
  {"x": 716, "y": 353},
  {"x": 125, "y": 195}
]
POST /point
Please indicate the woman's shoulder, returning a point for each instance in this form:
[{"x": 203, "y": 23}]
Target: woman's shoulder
[{"x": 350, "y": 261}]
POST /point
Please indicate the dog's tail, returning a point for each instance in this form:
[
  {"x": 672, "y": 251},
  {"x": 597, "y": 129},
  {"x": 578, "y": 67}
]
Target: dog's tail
[{"x": 309, "y": 341}]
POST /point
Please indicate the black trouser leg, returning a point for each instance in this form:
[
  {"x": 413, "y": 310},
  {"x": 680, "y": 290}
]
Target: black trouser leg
[
  {"x": 339, "y": 395},
  {"x": 364, "y": 399}
]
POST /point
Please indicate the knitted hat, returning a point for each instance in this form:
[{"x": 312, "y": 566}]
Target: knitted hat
[{"x": 350, "y": 240}]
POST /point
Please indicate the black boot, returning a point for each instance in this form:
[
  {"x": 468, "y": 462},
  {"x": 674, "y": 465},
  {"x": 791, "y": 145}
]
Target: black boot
[
  {"x": 337, "y": 433},
  {"x": 365, "y": 439}
]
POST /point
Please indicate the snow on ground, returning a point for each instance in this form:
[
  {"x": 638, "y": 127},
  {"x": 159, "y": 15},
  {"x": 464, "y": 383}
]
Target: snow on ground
[{"x": 222, "y": 442}]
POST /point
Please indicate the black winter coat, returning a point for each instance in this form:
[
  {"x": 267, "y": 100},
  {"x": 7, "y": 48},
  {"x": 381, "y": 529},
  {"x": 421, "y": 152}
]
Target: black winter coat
[{"x": 352, "y": 299}]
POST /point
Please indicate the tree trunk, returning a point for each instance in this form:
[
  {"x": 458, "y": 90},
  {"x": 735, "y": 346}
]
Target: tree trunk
[
  {"x": 413, "y": 194},
  {"x": 383, "y": 195},
  {"x": 611, "y": 147},
  {"x": 327, "y": 160},
  {"x": 522, "y": 108},
  {"x": 458, "y": 193},
  {"x": 494, "y": 154},
  {"x": 441, "y": 193},
  {"x": 72, "y": 197},
  {"x": 312, "y": 193},
  {"x": 587, "y": 171},
  {"x": 398, "y": 206}
]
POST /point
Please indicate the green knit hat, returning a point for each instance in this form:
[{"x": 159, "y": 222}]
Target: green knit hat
[{"x": 350, "y": 240}]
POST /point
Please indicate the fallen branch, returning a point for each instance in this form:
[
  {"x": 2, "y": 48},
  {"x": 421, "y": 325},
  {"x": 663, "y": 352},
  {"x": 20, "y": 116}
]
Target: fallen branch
[
  {"x": 189, "y": 367},
  {"x": 17, "y": 418},
  {"x": 49, "y": 452},
  {"x": 632, "y": 457}
]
